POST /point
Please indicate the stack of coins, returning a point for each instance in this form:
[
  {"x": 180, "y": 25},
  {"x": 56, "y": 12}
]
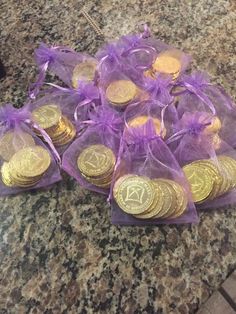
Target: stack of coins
[
  {"x": 84, "y": 71},
  {"x": 57, "y": 126},
  {"x": 26, "y": 167},
  {"x": 121, "y": 92},
  {"x": 168, "y": 63},
  {"x": 142, "y": 120},
  {"x": 208, "y": 180},
  {"x": 146, "y": 198},
  {"x": 96, "y": 164},
  {"x": 213, "y": 129},
  {"x": 12, "y": 141}
]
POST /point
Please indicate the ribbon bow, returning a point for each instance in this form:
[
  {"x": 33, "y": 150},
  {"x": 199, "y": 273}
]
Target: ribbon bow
[{"x": 45, "y": 56}]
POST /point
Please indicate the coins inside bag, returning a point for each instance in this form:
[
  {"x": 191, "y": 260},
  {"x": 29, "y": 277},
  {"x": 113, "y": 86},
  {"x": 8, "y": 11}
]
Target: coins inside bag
[
  {"x": 168, "y": 63},
  {"x": 121, "y": 92},
  {"x": 26, "y": 167},
  {"x": 84, "y": 71},
  {"x": 209, "y": 180},
  {"x": 57, "y": 126},
  {"x": 150, "y": 199},
  {"x": 96, "y": 164},
  {"x": 141, "y": 120},
  {"x": 12, "y": 141},
  {"x": 214, "y": 127}
]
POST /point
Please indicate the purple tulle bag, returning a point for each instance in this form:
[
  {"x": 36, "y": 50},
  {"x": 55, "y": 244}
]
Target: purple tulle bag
[
  {"x": 105, "y": 127},
  {"x": 15, "y": 134},
  {"x": 74, "y": 104},
  {"x": 192, "y": 141},
  {"x": 197, "y": 93},
  {"x": 144, "y": 153},
  {"x": 60, "y": 61}
]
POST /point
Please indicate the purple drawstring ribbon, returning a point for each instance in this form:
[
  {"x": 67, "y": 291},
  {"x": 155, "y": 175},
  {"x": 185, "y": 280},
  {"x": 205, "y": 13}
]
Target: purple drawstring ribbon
[
  {"x": 85, "y": 91},
  {"x": 192, "y": 124},
  {"x": 10, "y": 117},
  {"x": 45, "y": 56},
  {"x": 195, "y": 84}
]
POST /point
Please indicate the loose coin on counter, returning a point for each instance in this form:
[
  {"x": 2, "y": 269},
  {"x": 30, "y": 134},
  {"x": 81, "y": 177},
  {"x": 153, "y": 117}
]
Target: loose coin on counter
[
  {"x": 121, "y": 92},
  {"x": 26, "y": 167},
  {"x": 58, "y": 127},
  {"x": 84, "y": 71},
  {"x": 96, "y": 164}
]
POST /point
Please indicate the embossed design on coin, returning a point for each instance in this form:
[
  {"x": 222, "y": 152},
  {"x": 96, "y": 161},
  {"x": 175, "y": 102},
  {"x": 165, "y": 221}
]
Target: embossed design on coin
[
  {"x": 200, "y": 180},
  {"x": 30, "y": 161},
  {"x": 47, "y": 116},
  {"x": 121, "y": 92},
  {"x": 135, "y": 194},
  {"x": 96, "y": 160}
]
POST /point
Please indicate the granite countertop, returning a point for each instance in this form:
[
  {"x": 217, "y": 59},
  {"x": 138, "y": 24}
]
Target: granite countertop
[{"x": 59, "y": 252}]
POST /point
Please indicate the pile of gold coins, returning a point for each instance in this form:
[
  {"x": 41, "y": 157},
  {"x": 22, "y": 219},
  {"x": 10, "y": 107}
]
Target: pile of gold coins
[
  {"x": 96, "y": 164},
  {"x": 58, "y": 127},
  {"x": 142, "y": 120},
  {"x": 213, "y": 129},
  {"x": 146, "y": 198},
  {"x": 168, "y": 62},
  {"x": 26, "y": 167},
  {"x": 84, "y": 71},
  {"x": 209, "y": 180},
  {"x": 121, "y": 92}
]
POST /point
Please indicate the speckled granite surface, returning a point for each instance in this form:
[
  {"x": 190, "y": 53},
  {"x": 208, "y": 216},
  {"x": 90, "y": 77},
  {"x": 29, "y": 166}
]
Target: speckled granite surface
[{"x": 59, "y": 252}]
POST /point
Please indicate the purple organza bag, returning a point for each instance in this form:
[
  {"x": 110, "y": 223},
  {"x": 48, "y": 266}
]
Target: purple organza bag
[
  {"x": 137, "y": 53},
  {"x": 164, "y": 117},
  {"x": 131, "y": 87},
  {"x": 58, "y": 60},
  {"x": 144, "y": 153},
  {"x": 199, "y": 94},
  {"x": 74, "y": 104},
  {"x": 193, "y": 141},
  {"x": 104, "y": 127},
  {"x": 15, "y": 134}
]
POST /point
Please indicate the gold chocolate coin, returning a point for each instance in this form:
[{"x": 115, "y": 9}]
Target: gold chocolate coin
[
  {"x": 141, "y": 120},
  {"x": 6, "y": 178},
  {"x": 180, "y": 200},
  {"x": 47, "y": 116},
  {"x": 214, "y": 127},
  {"x": 135, "y": 194},
  {"x": 96, "y": 160},
  {"x": 200, "y": 179},
  {"x": 11, "y": 142},
  {"x": 230, "y": 167},
  {"x": 167, "y": 64},
  {"x": 169, "y": 199},
  {"x": 156, "y": 206},
  {"x": 214, "y": 172},
  {"x": 216, "y": 141},
  {"x": 30, "y": 162},
  {"x": 149, "y": 73},
  {"x": 121, "y": 92},
  {"x": 84, "y": 71}
]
